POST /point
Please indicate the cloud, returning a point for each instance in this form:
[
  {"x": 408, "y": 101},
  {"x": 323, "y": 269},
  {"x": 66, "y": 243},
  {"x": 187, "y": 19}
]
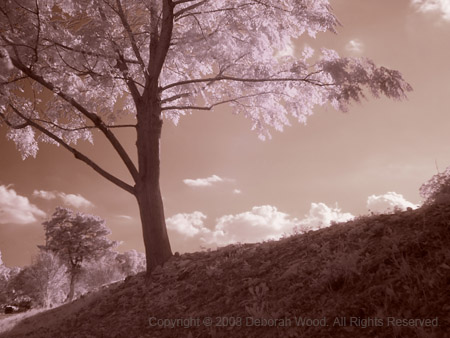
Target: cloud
[
  {"x": 259, "y": 224},
  {"x": 237, "y": 191},
  {"x": 46, "y": 195},
  {"x": 188, "y": 232},
  {"x": 354, "y": 46},
  {"x": 441, "y": 6},
  {"x": 76, "y": 201},
  {"x": 125, "y": 217},
  {"x": 320, "y": 215},
  {"x": 188, "y": 225},
  {"x": 17, "y": 209},
  {"x": 388, "y": 203},
  {"x": 203, "y": 182}
]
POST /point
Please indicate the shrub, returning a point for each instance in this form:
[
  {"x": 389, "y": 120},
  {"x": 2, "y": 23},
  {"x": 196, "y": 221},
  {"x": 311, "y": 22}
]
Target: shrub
[{"x": 437, "y": 188}]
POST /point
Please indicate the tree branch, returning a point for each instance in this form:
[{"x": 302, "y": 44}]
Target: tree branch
[
  {"x": 91, "y": 116},
  {"x": 188, "y": 8},
  {"x": 127, "y": 27},
  {"x": 83, "y": 128},
  {"x": 89, "y": 53},
  {"x": 235, "y": 99},
  {"x": 78, "y": 155},
  {"x": 237, "y": 79},
  {"x": 159, "y": 45}
]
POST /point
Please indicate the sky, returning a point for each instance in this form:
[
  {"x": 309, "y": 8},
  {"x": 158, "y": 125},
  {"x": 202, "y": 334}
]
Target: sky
[{"x": 223, "y": 185}]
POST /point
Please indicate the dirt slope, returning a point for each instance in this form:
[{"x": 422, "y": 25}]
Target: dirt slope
[{"x": 377, "y": 276}]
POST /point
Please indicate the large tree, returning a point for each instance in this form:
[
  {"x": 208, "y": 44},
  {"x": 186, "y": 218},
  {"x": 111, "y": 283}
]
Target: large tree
[{"x": 73, "y": 66}]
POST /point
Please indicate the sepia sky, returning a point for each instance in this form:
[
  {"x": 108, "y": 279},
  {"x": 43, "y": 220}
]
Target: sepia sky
[{"x": 221, "y": 184}]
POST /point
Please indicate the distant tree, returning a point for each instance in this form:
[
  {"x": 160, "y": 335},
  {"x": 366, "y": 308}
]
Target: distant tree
[
  {"x": 111, "y": 267},
  {"x": 131, "y": 262},
  {"x": 437, "y": 188},
  {"x": 44, "y": 281},
  {"x": 70, "y": 67},
  {"x": 75, "y": 238},
  {"x": 4, "y": 278},
  {"x": 99, "y": 272}
]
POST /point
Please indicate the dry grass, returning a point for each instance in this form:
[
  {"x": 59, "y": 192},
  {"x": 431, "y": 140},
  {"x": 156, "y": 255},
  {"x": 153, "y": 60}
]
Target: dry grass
[{"x": 367, "y": 271}]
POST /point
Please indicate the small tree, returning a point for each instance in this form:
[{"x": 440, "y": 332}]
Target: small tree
[
  {"x": 74, "y": 238},
  {"x": 437, "y": 188},
  {"x": 45, "y": 281},
  {"x": 99, "y": 272},
  {"x": 4, "y": 277},
  {"x": 131, "y": 262}
]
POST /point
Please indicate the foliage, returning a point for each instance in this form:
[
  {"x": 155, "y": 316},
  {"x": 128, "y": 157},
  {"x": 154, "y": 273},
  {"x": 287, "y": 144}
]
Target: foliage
[
  {"x": 7, "y": 275},
  {"x": 45, "y": 281},
  {"x": 218, "y": 53},
  {"x": 130, "y": 262},
  {"x": 111, "y": 267},
  {"x": 437, "y": 188}
]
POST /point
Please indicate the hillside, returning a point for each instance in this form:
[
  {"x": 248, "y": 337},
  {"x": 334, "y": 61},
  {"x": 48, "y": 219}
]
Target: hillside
[{"x": 363, "y": 278}]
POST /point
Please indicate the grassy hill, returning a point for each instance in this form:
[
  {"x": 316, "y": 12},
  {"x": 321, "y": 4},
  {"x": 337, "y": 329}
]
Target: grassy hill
[{"x": 376, "y": 276}]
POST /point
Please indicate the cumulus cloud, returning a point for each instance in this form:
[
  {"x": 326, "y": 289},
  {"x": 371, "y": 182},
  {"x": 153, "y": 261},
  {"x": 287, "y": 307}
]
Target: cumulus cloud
[
  {"x": 17, "y": 209},
  {"x": 354, "y": 46},
  {"x": 388, "y": 203},
  {"x": 237, "y": 191},
  {"x": 188, "y": 225},
  {"x": 46, "y": 195},
  {"x": 189, "y": 232},
  {"x": 76, "y": 201},
  {"x": 441, "y": 6},
  {"x": 259, "y": 224},
  {"x": 186, "y": 231},
  {"x": 320, "y": 215},
  {"x": 203, "y": 182}
]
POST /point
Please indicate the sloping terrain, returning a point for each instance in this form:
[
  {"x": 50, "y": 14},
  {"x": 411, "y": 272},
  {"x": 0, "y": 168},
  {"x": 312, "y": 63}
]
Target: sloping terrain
[{"x": 377, "y": 276}]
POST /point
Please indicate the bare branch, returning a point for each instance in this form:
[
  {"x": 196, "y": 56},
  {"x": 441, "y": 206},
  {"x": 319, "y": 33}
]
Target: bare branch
[
  {"x": 78, "y": 155},
  {"x": 175, "y": 97},
  {"x": 220, "y": 77},
  {"x": 83, "y": 128},
  {"x": 9, "y": 124},
  {"x": 188, "y": 8},
  {"x": 81, "y": 51},
  {"x": 235, "y": 99}
]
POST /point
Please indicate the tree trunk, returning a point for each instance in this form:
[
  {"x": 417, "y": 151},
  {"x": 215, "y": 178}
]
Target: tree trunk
[
  {"x": 71, "y": 293},
  {"x": 147, "y": 190}
]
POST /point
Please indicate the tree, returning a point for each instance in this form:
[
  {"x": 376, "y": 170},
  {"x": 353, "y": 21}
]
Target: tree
[
  {"x": 7, "y": 275},
  {"x": 131, "y": 262},
  {"x": 437, "y": 188},
  {"x": 75, "y": 238},
  {"x": 45, "y": 281},
  {"x": 71, "y": 67},
  {"x": 110, "y": 268}
]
